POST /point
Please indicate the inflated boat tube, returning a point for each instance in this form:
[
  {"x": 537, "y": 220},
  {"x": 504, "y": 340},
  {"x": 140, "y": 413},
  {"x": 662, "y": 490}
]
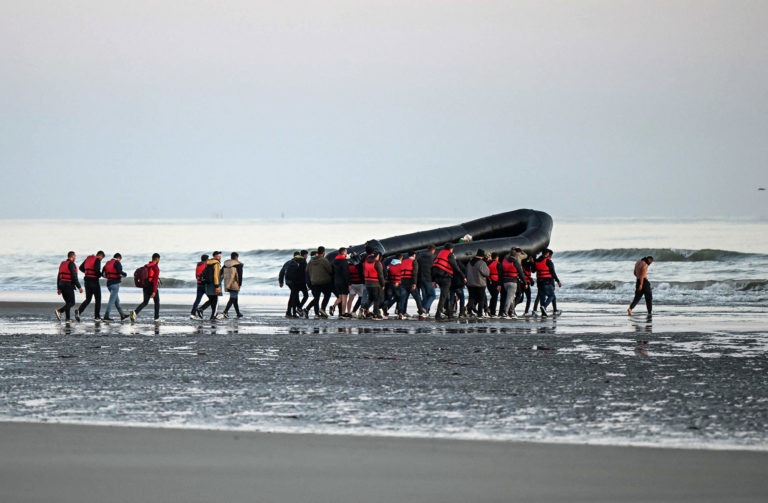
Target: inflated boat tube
[{"x": 528, "y": 229}]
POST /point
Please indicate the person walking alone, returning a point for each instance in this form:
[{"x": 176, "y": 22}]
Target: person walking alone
[
  {"x": 642, "y": 285},
  {"x": 66, "y": 282}
]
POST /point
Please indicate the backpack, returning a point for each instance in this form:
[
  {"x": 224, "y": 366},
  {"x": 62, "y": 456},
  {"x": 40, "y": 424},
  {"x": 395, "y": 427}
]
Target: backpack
[
  {"x": 206, "y": 276},
  {"x": 141, "y": 277},
  {"x": 292, "y": 271}
]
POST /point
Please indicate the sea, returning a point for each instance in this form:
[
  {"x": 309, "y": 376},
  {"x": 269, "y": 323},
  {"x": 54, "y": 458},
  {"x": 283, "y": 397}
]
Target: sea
[{"x": 695, "y": 374}]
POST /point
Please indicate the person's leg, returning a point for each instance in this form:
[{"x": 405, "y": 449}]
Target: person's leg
[
  {"x": 234, "y": 298},
  {"x": 648, "y": 296},
  {"x": 327, "y": 290},
  {"x": 97, "y": 300},
  {"x": 343, "y": 304},
  {"x": 112, "y": 298},
  {"x": 147, "y": 296},
  {"x": 428, "y": 295},
  {"x": 198, "y": 298},
  {"x": 494, "y": 298},
  {"x": 378, "y": 299},
  {"x": 68, "y": 294},
  {"x": 88, "y": 297},
  {"x": 214, "y": 300},
  {"x": 548, "y": 293},
  {"x": 638, "y": 295},
  {"x": 402, "y": 300},
  {"x": 156, "y": 299},
  {"x": 538, "y": 299},
  {"x": 509, "y": 297},
  {"x": 119, "y": 306},
  {"x": 444, "y": 302},
  {"x": 305, "y": 292},
  {"x": 527, "y": 298},
  {"x": 314, "y": 304}
]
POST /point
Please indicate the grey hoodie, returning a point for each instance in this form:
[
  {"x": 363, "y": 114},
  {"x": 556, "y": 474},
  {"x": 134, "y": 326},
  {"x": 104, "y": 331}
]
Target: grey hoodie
[{"x": 477, "y": 273}]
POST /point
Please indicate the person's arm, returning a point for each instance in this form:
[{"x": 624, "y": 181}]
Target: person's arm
[
  {"x": 552, "y": 270},
  {"x": 239, "y": 269},
  {"x": 416, "y": 278},
  {"x": 380, "y": 271},
  {"x": 344, "y": 271},
  {"x": 119, "y": 269},
  {"x": 73, "y": 272},
  {"x": 82, "y": 267},
  {"x": 484, "y": 270},
  {"x": 456, "y": 268},
  {"x": 157, "y": 279},
  {"x": 281, "y": 276},
  {"x": 97, "y": 267}
]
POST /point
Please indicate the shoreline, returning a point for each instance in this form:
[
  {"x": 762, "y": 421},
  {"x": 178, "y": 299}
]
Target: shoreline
[
  {"x": 47, "y": 462},
  {"x": 610, "y": 442}
]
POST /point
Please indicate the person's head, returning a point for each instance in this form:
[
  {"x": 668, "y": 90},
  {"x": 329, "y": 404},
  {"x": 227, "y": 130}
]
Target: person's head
[
  {"x": 399, "y": 256},
  {"x": 368, "y": 249},
  {"x": 117, "y": 256},
  {"x": 100, "y": 254},
  {"x": 548, "y": 253},
  {"x": 376, "y": 255},
  {"x": 448, "y": 246},
  {"x": 216, "y": 255},
  {"x": 649, "y": 260},
  {"x": 480, "y": 253},
  {"x": 71, "y": 255},
  {"x": 234, "y": 255},
  {"x": 297, "y": 254},
  {"x": 204, "y": 257},
  {"x": 321, "y": 250},
  {"x": 155, "y": 258},
  {"x": 313, "y": 254},
  {"x": 343, "y": 251},
  {"x": 494, "y": 256},
  {"x": 304, "y": 253},
  {"x": 411, "y": 253},
  {"x": 432, "y": 248}
]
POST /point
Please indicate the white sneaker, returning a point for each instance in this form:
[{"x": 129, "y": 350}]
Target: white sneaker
[
  {"x": 58, "y": 314},
  {"x": 159, "y": 320},
  {"x": 192, "y": 317}
]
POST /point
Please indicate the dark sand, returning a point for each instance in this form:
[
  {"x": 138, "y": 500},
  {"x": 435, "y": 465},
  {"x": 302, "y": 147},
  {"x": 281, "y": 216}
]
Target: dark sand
[{"x": 82, "y": 464}]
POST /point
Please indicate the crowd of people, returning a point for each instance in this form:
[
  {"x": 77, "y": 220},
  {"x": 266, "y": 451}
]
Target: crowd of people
[
  {"x": 213, "y": 278},
  {"x": 366, "y": 286}
]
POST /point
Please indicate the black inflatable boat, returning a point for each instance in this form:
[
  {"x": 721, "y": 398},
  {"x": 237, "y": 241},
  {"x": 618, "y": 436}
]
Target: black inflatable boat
[{"x": 528, "y": 229}]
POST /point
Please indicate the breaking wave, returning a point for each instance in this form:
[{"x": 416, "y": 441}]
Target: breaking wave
[{"x": 659, "y": 254}]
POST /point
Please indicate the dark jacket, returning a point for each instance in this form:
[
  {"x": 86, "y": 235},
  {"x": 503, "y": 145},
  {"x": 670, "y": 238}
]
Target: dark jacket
[
  {"x": 320, "y": 271},
  {"x": 296, "y": 273},
  {"x": 425, "y": 261},
  {"x": 281, "y": 276},
  {"x": 459, "y": 273},
  {"x": 69, "y": 284},
  {"x": 340, "y": 269}
]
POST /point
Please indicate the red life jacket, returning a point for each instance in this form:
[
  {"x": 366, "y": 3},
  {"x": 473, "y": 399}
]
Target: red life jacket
[
  {"x": 508, "y": 269},
  {"x": 65, "y": 275},
  {"x": 441, "y": 261},
  {"x": 528, "y": 272},
  {"x": 199, "y": 270},
  {"x": 111, "y": 271},
  {"x": 494, "y": 268},
  {"x": 369, "y": 271},
  {"x": 355, "y": 278},
  {"x": 90, "y": 267},
  {"x": 151, "y": 268},
  {"x": 542, "y": 269},
  {"x": 395, "y": 273},
  {"x": 406, "y": 269}
]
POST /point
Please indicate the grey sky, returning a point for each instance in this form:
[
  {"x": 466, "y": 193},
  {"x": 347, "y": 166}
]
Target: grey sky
[{"x": 438, "y": 108}]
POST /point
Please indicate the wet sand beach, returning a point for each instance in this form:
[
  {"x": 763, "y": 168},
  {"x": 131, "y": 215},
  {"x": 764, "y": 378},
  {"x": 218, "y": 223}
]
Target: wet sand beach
[
  {"x": 357, "y": 410},
  {"x": 83, "y": 464}
]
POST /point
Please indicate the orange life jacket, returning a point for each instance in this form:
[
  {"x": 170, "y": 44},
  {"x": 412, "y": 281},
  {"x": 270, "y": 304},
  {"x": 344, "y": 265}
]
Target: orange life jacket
[
  {"x": 355, "y": 278},
  {"x": 369, "y": 271},
  {"x": 406, "y": 269},
  {"x": 441, "y": 261},
  {"x": 110, "y": 270},
  {"x": 395, "y": 273},
  {"x": 494, "y": 268},
  {"x": 89, "y": 266},
  {"x": 508, "y": 269},
  {"x": 65, "y": 275},
  {"x": 542, "y": 269}
]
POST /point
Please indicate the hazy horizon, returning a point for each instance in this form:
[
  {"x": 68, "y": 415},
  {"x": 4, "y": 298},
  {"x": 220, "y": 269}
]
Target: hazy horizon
[{"x": 383, "y": 109}]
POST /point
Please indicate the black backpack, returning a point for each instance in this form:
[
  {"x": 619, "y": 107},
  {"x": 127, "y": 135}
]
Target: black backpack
[
  {"x": 292, "y": 271},
  {"x": 206, "y": 276}
]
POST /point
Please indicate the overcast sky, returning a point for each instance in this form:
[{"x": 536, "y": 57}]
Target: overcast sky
[{"x": 383, "y": 108}]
